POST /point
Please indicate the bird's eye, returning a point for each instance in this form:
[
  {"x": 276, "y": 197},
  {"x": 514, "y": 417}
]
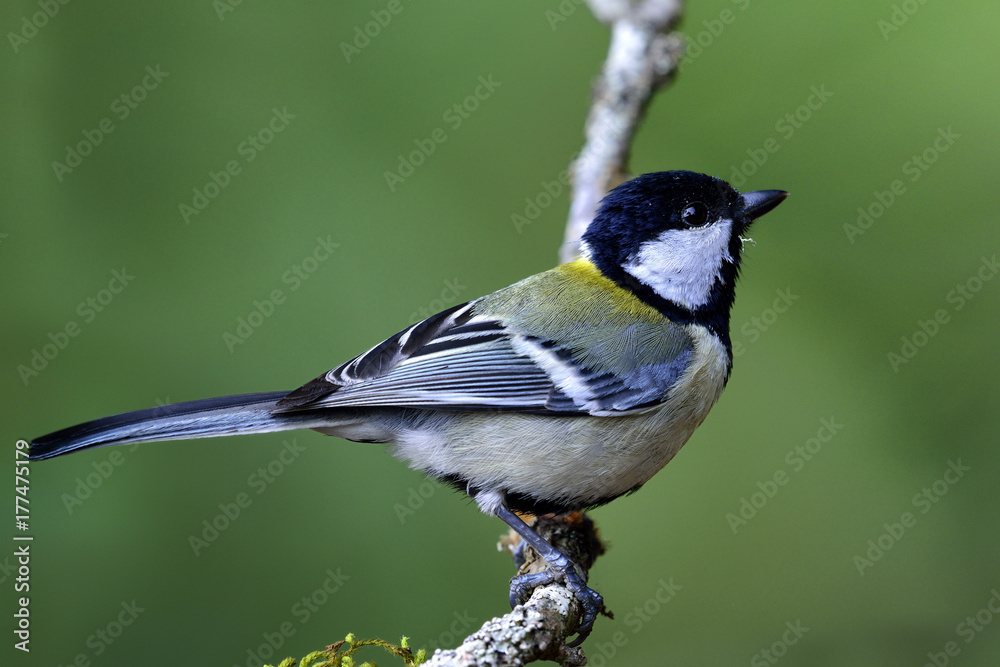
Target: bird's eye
[{"x": 695, "y": 215}]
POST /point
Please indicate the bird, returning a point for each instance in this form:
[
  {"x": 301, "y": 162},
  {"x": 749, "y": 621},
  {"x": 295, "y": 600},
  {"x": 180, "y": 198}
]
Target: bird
[{"x": 558, "y": 393}]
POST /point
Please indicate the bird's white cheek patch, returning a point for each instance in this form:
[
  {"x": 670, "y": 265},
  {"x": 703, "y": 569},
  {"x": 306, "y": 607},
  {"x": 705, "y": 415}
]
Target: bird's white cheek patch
[{"x": 682, "y": 265}]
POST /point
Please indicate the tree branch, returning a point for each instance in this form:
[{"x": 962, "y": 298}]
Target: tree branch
[
  {"x": 534, "y": 631},
  {"x": 538, "y": 629},
  {"x": 642, "y": 57}
]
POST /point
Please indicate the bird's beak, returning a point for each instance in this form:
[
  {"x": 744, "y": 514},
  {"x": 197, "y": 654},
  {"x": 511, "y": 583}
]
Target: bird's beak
[{"x": 756, "y": 204}]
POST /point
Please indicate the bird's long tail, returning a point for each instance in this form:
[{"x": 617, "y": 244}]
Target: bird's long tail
[{"x": 226, "y": 415}]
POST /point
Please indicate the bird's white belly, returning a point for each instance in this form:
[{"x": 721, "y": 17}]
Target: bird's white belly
[{"x": 578, "y": 461}]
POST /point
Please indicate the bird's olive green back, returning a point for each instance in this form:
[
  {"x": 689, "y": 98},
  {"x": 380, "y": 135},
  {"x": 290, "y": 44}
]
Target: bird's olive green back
[{"x": 612, "y": 330}]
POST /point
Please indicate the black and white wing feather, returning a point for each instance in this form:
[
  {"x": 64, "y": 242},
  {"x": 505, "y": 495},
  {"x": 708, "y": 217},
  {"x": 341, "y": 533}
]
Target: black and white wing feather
[{"x": 458, "y": 360}]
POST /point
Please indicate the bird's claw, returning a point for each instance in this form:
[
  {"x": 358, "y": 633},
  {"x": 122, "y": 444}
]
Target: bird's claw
[
  {"x": 591, "y": 602},
  {"x": 522, "y": 586}
]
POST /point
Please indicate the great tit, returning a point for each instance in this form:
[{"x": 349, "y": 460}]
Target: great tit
[{"x": 560, "y": 392}]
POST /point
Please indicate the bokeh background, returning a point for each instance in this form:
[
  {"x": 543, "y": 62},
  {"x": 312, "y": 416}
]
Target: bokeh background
[{"x": 887, "y": 107}]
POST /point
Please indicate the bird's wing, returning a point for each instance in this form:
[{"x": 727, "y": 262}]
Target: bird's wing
[{"x": 463, "y": 361}]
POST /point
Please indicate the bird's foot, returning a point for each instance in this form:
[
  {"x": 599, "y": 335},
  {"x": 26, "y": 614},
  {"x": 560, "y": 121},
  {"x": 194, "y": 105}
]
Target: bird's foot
[{"x": 591, "y": 602}]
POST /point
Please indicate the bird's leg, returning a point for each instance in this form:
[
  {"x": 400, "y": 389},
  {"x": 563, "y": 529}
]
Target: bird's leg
[{"x": 560, "y": 568}]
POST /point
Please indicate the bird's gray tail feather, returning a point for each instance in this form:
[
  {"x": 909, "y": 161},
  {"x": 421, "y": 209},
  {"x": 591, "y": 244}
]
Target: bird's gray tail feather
[{"x": 226, "y": 415}]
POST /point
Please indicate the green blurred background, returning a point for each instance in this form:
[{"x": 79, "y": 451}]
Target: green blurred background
[{"x": 820, "y": 309}]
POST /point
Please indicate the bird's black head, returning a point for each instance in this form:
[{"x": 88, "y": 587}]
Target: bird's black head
[{"x": 674, "y": 239}]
